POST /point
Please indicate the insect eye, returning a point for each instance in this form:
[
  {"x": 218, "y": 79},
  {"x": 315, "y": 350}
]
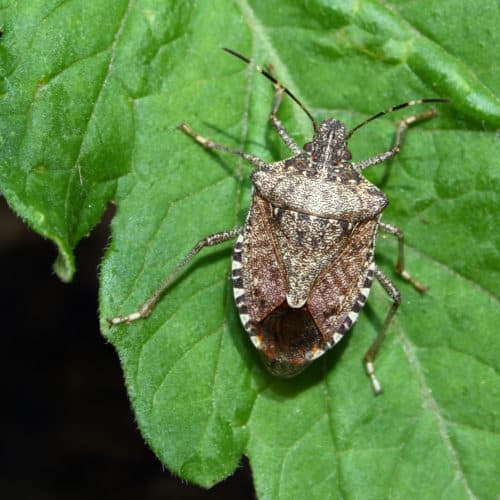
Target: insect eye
[
  {"x": 347, "y": 155},
  {"x": 308, "y": 147}
]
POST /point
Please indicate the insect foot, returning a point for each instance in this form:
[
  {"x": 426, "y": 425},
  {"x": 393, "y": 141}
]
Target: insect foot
[{"x": 303, "y": 263}]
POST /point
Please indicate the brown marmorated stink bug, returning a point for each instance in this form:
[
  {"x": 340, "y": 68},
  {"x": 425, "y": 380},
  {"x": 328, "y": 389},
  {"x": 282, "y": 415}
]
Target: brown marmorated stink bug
[{"x": 303, "y": 263}]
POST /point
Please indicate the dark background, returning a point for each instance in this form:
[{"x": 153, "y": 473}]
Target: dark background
[{"x": 68, "y": 429}]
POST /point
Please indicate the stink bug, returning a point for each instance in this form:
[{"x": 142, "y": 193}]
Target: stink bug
[{"x": 303, "y": 263}]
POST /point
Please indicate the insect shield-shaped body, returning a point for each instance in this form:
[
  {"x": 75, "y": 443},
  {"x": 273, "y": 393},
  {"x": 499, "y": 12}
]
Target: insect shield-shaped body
[{"x": 303, "y": 265}]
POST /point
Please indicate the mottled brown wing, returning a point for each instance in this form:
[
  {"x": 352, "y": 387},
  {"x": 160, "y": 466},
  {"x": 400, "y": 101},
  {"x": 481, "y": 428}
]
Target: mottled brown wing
[
  {"x": 258, "y": 273},
  {"x": 343, "y": 287}
]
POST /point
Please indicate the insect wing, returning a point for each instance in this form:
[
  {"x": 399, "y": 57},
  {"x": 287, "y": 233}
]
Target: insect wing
[
  {"x": 341, "y": 290},
  {"x": 258, "y": 273}
]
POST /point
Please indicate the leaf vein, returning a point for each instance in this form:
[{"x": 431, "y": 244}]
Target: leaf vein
[
  {"x": 454, "y": 273},
  {"x": 258, "y": 30},
  {"x": 433, "y": 407},
  {"x": 76, "y": 166},
  {"x": 463, "y": 353},
  {"x": 472, "y": 427},
  {"x": 163, "y": 324},
  {"x": 155, "y": 234},
  {"x": 331, "y": 426},
  {"x": 411, "y": 430},
  {"x": 289, "y": 450}
]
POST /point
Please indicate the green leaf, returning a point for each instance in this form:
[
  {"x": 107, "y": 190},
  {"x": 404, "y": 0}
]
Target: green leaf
[
  {"x": 67, "y": 128},
  {"x": 92, "y": 94}
]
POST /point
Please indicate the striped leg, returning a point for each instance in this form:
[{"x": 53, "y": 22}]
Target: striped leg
[
  {"x": 400, "y": 264},
  {"x": 402, "y": 127},
  {"x": 207, "y": 143},
  {"x": 285, "y": 136},
  {"x": 372, "y": 351},
  {"x": 146, "y": 308}
]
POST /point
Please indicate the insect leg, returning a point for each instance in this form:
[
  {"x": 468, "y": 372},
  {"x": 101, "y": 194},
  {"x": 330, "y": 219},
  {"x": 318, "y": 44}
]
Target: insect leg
[
  {"x": 400, "y": 264},
  {"x": 276, "y": 122},
  {"x": 147, "y": 307},
  {"x": 207, "y": 143},
  {"x": 372, "y": 351},
  {"x": 400, "y": 132}
]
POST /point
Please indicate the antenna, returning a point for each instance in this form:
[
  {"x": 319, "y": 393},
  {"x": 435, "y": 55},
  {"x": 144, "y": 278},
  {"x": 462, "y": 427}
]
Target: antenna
[
  {"x": 276, "y": 82},
  {"x": 394, "y": 108}
]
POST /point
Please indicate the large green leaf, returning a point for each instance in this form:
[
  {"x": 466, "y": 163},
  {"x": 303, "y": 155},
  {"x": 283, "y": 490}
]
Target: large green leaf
[{"x": 92, "y": 93}]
